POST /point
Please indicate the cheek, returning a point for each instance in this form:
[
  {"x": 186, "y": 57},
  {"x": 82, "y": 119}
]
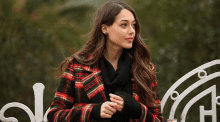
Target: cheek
[{"x": 119, "y": 35}]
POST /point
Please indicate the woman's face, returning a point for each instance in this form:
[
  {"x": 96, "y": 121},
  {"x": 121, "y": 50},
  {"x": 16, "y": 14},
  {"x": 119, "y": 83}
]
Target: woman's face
[{"x": 120, "y": 30}]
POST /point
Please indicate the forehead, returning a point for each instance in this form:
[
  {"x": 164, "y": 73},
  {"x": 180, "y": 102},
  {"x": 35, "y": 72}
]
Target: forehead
[{"x": 124, "y": 15}]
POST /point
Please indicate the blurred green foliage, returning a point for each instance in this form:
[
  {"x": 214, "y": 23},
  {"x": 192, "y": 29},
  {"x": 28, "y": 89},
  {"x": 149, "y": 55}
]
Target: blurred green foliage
[{"x": 36, "y": 35}]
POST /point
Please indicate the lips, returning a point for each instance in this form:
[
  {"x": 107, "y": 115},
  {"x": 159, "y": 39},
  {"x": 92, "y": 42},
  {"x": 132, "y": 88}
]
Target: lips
[{"x": 130, "y": 39}]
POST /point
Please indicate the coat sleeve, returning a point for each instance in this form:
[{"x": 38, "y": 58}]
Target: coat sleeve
[
  {"x": 152, "y": 114},
  {"x": 63, "y": 108}
]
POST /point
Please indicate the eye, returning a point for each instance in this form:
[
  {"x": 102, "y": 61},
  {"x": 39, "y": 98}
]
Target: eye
[{"x": 126, "y": 24}]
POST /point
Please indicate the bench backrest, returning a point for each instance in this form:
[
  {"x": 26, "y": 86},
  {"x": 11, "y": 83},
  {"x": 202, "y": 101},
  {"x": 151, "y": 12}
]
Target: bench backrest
[{"x": 39, "y": 90}]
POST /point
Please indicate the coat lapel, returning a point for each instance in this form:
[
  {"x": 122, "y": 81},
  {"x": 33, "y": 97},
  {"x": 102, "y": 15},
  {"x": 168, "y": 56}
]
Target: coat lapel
[{"x": 93, "y": 84}]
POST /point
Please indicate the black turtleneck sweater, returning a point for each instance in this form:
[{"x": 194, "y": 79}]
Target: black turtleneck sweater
[
  {"x": 114, "y": 81},
  {"x": 119, "y": 80}
]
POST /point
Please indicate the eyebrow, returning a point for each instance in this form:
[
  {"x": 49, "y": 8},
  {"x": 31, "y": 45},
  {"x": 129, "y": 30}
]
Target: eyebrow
[{"x": 127, "y": 20}]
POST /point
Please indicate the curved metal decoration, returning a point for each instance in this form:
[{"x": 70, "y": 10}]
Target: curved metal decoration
[
  {"x": 203, "y": 112},
  {"x": 15, "y": 104},
  {"x": 45, "y": 115},
  {"x": 189, "y": 89},
  {"x": 203, "y": 79},
  {"x": 38, "y": 93},
  {"x": 39, "y": 89}
]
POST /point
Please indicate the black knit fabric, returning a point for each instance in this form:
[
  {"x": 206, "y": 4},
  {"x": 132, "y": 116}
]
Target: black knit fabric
[
  {"x": 95, "y": 114},
  {"x": 132, "y": 108},
  {"x": 115, "y": 81},
  {"x": 119, "y": 80}
]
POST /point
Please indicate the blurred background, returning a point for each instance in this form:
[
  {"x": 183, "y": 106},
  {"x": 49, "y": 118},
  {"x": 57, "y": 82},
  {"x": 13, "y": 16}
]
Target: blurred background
[{"x": 37, "y": 35}]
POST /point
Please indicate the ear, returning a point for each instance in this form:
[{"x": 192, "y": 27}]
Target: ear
[{"x": 104, "y": 28}]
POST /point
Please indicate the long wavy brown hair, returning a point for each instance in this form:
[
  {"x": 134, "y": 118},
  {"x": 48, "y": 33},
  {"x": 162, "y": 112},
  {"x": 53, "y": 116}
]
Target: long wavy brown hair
[{"x": 141, "y": 67}]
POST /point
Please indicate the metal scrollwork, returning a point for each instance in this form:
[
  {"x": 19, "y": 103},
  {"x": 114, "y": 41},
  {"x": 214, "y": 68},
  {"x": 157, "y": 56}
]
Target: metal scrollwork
[
  {"x": 15, "y": 104},
  {"x": 177, "y": 95},
  {"x": 218, "y": 103},
  {"x": 202, "y": 71},
  {"x": 39, "y": 89},
  {"x": 203, "y": 79},
  {"x": 38, "y": 117}
]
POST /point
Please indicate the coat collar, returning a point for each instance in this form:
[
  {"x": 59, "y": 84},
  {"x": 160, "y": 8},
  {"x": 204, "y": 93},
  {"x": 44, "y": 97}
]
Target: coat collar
[
  {"x": 90, "y": 68},
  {"x": 96, "y": 93}
]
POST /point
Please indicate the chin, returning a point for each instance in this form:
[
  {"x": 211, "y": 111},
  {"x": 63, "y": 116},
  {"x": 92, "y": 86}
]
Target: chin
[{"x": 128, "y": 46}]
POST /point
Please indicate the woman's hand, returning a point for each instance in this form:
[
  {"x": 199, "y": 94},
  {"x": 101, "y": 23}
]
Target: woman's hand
[
  {"x": 131, "y": 106},
  {"x": 108, "y": 109},
  {"x": 117, "y": 99}
]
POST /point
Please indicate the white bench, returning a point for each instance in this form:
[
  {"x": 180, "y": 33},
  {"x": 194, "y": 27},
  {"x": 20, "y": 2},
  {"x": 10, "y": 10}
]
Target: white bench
[
  {"x": 203, "y": 79},
  {"x": 41, "y": 117}
]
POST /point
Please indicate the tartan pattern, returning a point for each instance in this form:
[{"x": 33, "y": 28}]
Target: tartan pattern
[
  {"x": 154, "y": 112},
  {"x": 81, "y": 87}
]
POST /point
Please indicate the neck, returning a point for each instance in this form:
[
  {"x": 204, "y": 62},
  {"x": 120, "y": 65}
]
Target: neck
[{"x": 112, "y": 54}]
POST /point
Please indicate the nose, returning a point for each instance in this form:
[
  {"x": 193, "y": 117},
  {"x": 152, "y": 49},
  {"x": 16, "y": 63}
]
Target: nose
[{"x": 132, "y": 29}]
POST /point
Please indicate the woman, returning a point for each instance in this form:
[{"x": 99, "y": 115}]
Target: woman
[{"x": 111, "y": 79}]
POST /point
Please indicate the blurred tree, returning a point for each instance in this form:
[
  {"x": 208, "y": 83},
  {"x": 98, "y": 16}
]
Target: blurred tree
[
  {"x": 182, "y": 35},
  {"x": 36, "y": 35}
]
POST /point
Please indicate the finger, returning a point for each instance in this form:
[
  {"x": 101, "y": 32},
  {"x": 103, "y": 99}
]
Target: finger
[
  {"x": 104, "y": 115},
  {"x": 111, "y": 108},
  {"x": 121, "y": 103},
  {"x": 107, "y": 111},
  {"x": 116, "y": 97},
  {"x": 118, "y": 107},
  {"x": 111, "y": 104}
]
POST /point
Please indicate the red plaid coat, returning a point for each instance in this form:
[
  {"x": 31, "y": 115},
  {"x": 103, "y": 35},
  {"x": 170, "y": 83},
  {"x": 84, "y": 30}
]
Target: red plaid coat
[{"x": 81, "y": 87}]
